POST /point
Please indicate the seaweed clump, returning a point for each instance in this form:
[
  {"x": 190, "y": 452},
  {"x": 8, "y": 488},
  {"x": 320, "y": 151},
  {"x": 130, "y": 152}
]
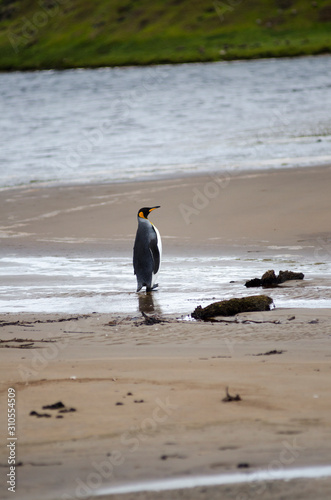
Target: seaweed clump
[{"x": 233, "y": 306}]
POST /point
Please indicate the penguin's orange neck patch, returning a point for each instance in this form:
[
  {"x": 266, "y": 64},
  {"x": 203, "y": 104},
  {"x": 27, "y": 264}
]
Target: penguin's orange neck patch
[{"x": 141, "y": 214}]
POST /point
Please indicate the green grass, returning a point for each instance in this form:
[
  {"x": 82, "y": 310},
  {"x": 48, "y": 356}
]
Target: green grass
[{"x": 75, "y": 33}]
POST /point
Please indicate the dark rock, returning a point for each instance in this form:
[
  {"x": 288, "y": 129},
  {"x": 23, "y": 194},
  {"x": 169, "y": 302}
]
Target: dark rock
[
  {"x": 289, "y": 275},
  {"x": 254, "y": 282},
  {"x": 243, "y": 465},
  {"x": 232, "y": 307},
  {"x": 269, "y": 279}
]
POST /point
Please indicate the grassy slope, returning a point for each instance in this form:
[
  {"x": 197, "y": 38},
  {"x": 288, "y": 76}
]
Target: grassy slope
[{"x": 75, "y": 33}]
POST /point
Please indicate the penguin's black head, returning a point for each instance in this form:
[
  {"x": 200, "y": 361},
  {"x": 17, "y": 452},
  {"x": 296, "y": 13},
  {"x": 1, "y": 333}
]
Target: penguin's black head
[{"x": 144, "y": 212}]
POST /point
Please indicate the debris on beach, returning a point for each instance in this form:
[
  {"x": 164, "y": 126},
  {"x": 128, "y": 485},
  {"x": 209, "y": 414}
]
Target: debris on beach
[
  {"x": 37, "y": 414},
  {"x": 150, "y": 320},
  {"x": 233, "y": 306},
  {"x": 228, "y": 398},
  {"x": 270, "y": 280},
  {"x": 59, "y": 406},
  {"x": 55, "y": 406},
  {"x": 19, "y": 343},
  {"x": 174, "y": 455},
  {"x": 269, "y": 353}
]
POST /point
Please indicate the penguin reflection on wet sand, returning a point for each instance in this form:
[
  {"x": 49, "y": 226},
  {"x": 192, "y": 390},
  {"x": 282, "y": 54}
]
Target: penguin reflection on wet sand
[{"x": 147, "y": 251}]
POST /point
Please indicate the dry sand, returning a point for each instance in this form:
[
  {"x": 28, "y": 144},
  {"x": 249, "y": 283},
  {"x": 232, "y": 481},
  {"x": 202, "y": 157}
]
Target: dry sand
[{"x": 148, "y": 398}]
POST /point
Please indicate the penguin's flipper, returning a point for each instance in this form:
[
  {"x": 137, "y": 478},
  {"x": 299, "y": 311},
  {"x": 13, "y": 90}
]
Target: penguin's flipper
[{"x": 155, "y": 255}]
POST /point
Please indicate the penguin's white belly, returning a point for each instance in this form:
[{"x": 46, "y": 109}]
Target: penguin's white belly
[{"x": 159, "y": 246}]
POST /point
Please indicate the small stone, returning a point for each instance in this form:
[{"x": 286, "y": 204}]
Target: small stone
[{"x": 243, "y": 465}]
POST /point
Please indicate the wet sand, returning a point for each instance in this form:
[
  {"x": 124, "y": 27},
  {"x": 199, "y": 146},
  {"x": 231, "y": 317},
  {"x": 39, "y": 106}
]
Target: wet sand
[
  {"x": 214, "y": 214},
  {"x": 148, "y": 398}
]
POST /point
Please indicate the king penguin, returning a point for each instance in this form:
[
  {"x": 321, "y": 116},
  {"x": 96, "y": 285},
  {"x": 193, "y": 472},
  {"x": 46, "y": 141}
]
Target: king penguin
[{"x": 147, "y": 251}]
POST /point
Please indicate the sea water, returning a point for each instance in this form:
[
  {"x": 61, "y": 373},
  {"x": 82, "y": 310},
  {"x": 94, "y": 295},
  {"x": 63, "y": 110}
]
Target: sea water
[
  {"x": 121, "y": 124},
  {"x": 107, "y": 285}
]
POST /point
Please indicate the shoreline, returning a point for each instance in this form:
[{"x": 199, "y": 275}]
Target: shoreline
[
  {"x": 231, "y": 172},
  {"x": 320, "y": 52}
]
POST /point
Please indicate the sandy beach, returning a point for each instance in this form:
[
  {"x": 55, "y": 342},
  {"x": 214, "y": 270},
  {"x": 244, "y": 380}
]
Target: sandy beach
[{"x": 144, "y": 401}]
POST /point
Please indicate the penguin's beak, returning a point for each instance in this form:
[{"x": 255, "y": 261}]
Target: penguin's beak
[{"x": 153, "y": 208}]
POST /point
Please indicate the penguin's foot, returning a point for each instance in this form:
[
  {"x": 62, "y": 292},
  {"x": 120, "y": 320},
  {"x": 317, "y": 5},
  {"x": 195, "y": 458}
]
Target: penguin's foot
[{"x": 150, "y": 289}]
